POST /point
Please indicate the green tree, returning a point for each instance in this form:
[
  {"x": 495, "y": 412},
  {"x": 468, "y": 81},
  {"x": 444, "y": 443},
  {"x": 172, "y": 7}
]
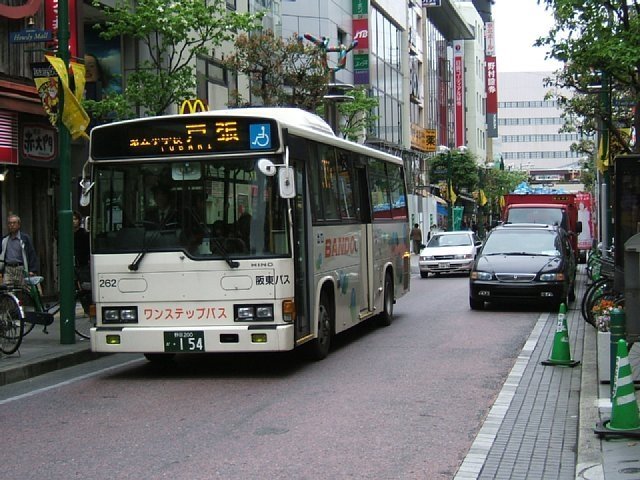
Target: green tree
[
  {"x": 282, "y": 72},
  {"x": 597, "y": 41},
  {"x": 497, "y": 183},
  {"x": 357, "y": 115},
  {"x": 171, "y": 35},
  {"x": 464, "y": 170}
]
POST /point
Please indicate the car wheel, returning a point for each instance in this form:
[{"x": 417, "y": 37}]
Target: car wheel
[
  {"x": 476, "y": 304},
  {"x": 424, "y": 274}
]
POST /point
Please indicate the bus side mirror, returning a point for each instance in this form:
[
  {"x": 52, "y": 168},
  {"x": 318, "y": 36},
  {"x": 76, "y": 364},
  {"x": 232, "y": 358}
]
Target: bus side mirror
[
  {"x": 85, "y": 197},
  {"x": 286, "y": 182}
]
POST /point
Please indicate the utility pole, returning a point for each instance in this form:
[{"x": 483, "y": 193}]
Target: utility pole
[{"x": 65, "y": 226}]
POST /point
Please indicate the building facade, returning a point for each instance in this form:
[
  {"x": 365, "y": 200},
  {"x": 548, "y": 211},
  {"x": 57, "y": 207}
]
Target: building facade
[
  {"x": 529, "y": 124},
  {"x": 404, "y": 57}
]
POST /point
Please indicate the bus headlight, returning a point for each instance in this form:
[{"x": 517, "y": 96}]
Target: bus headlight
[
  {"x": 119, "y": 315},
  {"x": 252, "y": 313}
]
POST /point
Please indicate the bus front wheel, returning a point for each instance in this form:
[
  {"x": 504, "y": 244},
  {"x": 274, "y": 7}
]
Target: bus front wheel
[
  {"x": 318, "y": 348},
  {"x": 160, "y": 359}
]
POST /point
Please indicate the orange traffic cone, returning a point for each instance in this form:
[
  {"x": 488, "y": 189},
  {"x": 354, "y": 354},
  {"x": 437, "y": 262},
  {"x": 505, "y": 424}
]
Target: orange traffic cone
[
  {"x": 560, "y": 354},
  {"x": 625, "y": 419}
]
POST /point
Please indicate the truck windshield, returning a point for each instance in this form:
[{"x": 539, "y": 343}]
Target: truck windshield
[
  {"x": 548, "y": 216},
  {"x": 220, "y": 209}
]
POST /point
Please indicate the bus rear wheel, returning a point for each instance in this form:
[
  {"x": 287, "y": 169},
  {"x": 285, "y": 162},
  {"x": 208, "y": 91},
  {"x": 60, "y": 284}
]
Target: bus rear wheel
[{"x": 386, "y": 317}]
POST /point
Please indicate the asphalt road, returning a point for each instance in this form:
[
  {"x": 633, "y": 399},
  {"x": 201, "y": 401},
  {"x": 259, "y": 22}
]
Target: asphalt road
[{"x": 402, "y": 402}]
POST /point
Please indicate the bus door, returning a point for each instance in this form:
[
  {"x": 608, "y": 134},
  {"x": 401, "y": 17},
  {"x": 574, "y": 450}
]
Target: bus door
[
  {"x": 302, "y": 259},
  {"x": 366, "y": 243}
]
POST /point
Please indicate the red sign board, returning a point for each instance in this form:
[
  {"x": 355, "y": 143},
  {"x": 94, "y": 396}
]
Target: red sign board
[
  {"x": 458, "y": 93},
  {"x": 361, "y": 32}
]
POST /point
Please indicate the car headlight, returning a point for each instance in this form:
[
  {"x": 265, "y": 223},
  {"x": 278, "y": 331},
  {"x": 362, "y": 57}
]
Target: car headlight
[
  {"x": 476, "y": 275},
  {"x": 427, "y": 257},
  {"x": 466, "y": 256},
  {"x": 552, "y": 277}
]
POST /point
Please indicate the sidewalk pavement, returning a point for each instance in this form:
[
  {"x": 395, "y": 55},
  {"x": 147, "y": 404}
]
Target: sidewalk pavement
[
  {"x": 42, "y": 352},
  {"x": 540, "y": 426}
]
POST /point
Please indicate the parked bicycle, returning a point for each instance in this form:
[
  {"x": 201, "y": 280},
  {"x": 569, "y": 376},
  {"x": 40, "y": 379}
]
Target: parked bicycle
[
  {"x": 600, "y": 269},
  {"x": 22, "y": 308}
]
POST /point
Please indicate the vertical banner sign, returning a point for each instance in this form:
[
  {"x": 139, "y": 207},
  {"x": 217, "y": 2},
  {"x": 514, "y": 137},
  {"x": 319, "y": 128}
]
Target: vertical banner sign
[
  {"x": 490, "y": 39},
  {"x": 48, "y": 86},
  {"x": 492, "y": 97},
  {"x": 491, "y": 81},
  {"x": 458, "y": 92},
  {"x": 51, "y": 23},
  {"x": 360, "y": 29},
  {"x": 443, "y": 93}
]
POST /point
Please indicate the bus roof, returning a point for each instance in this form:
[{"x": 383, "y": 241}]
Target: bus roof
[
  {"x": 295, "y": 120},
  {"x": 302, "y": 122}
]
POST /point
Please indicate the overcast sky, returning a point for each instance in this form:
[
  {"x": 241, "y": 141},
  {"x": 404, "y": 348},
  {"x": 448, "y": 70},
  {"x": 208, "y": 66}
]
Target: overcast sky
[{"x": 518, "y": 23}]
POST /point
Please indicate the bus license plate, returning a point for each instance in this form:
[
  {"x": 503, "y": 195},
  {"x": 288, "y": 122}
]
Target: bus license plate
[{"x": 184, "y": 341}]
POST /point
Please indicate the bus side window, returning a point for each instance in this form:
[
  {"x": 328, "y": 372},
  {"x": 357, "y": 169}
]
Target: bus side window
[{"x": 346, "y": 187}]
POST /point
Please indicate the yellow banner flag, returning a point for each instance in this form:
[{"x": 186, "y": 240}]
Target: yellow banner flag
[
  {"x": 502, "y": 202},
  {"x": 602, "y": 162},
  {"x": 452, "y": 195},
  {"x": 73, "y": 115},
  {"x": 482, "y": 198}
]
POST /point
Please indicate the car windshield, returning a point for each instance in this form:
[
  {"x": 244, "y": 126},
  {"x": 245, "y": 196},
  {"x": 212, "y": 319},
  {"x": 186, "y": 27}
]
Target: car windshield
[
  {"x": 518, "y": 242},
  {"x": 549, "y": 216},
  {"x": 454, "y": 240}
]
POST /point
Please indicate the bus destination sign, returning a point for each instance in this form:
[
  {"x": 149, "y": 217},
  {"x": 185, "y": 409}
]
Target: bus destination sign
[{"x": 184, "y": 135}]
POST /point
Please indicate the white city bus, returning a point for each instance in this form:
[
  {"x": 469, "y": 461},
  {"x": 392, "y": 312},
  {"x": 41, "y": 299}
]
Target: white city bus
[{"x": 246, "y": 230}]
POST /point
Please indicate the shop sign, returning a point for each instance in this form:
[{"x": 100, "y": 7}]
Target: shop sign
[
  {"x": 39, "y": 142},
  {"x": 30, "y": 36}
]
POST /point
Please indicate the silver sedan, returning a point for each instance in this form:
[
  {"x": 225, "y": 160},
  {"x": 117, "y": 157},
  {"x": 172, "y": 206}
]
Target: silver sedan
[{"x": 449, "y": 252}]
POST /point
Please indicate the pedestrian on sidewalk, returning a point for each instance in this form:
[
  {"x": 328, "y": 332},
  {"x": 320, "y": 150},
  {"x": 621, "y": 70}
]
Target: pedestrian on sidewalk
[
  {"x": 18, "y": 256},
  {"x": 416, "y": 238},
  {"x": 80, "y": 242}
]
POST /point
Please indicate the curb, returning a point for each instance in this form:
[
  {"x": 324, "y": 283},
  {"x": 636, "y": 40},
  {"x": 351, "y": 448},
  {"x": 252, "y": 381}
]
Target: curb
[{"x": 48, "y": 363}]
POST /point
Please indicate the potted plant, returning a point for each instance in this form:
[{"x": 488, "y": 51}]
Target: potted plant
[{"x": 602, "y": 316}]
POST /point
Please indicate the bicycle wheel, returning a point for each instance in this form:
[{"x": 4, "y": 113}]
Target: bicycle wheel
[
  {"x": 11, "y": 324},
  {"x": 28, "y": 305},
  {"x": 585, "y": 300},
  {"x": 593, "y": 293}
]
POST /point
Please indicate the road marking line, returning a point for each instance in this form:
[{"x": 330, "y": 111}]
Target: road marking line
[{"x": 69, "y": 382}]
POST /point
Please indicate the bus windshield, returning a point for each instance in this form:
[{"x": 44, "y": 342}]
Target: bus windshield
[{"x": 208, "y": 209}]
